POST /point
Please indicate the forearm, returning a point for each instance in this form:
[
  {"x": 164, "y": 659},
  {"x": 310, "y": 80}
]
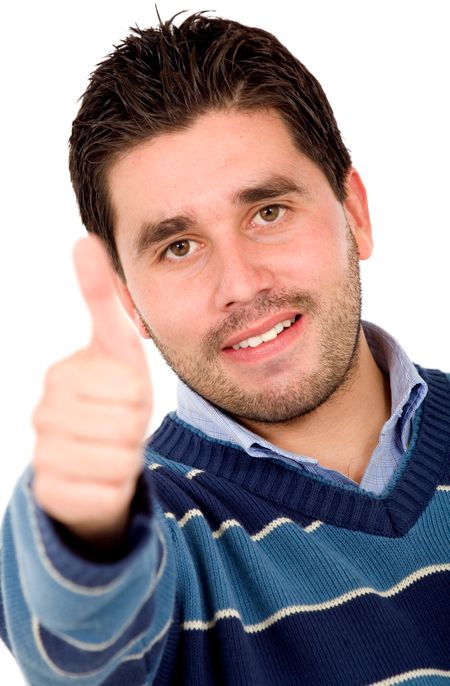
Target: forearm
[{"x": 70, "y": 617}]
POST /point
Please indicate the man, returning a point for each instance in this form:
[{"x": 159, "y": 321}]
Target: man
[{"x": 290, "y": 525}]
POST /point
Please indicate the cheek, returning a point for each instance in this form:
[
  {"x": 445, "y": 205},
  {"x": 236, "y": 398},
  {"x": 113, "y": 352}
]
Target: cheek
[
  {"x": 172, "y": 314},
  {"x": 317, "y": 260}
]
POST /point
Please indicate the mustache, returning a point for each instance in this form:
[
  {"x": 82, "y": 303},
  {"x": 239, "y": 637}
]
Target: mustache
[{"x": 263, "y": 304}]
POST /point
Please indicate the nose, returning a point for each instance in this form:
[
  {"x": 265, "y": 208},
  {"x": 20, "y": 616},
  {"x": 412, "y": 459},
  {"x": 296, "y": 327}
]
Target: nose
[{"x": 242, "y": 271}]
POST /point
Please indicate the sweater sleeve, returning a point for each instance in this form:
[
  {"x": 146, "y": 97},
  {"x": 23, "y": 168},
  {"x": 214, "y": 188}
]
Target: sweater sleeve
[{"x": 69, "y": 620}]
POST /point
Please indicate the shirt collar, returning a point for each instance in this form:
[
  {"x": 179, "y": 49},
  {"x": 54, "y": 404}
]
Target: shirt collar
[{"x": 408, "y": 390}]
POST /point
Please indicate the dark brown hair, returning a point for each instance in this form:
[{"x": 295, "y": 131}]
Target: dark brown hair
[{"x": 160, "y": 79}]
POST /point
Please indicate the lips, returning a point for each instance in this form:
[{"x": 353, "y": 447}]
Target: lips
[{"x": 261, "y": 328}]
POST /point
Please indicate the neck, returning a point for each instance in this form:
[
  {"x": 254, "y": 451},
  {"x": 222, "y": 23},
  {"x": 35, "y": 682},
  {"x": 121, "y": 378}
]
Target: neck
[{"x": 343, "y": 432}]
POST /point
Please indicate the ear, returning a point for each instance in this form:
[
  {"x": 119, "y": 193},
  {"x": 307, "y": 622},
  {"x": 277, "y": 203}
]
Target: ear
[
  {"x": 357, "y": 212},
  {"x": 125, "y": 298}
]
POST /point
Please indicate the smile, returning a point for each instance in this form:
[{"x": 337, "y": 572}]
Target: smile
[{"x": 255, "y": 341}]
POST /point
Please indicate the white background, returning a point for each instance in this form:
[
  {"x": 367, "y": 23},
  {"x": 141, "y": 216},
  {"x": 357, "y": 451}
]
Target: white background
[{"x": 385, "y": 68}]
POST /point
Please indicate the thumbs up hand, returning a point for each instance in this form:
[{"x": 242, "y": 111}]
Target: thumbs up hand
[{"x": 92, "y": 417}]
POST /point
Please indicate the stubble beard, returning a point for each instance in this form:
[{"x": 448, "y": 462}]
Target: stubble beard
[{"x": 338, "y": 324}]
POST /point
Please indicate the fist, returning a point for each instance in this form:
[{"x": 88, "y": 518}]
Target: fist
[{"x": 93, "y": 414}]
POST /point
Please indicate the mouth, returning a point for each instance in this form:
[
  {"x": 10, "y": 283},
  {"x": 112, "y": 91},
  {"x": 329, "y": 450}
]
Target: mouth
[{"x": 267, "y": 333}]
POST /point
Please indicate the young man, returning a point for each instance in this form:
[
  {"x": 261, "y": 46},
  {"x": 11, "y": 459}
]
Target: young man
[{"x": 290, "y": 524}]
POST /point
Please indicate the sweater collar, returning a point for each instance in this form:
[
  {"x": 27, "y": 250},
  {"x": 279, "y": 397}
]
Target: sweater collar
[{"x": 390, "y": 514}]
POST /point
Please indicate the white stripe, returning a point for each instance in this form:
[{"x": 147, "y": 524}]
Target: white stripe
[
  {"x": 188, "y": 516},
  {"x": 134, "y": 656},
  {"x": 270, "y": 527},
  {"x": 194, "y": 472},
  {"x": 227, "y": 524},
  {"x": 414, "y": 674},
  {"x": 200, "y": 625},
  {"x": 155, "y": 639},
  {"x": 313, "y": 526},
  {"x": 54, "y": 573},
  {"x": 95, "y": 647},
  {"x": 153, "y": 465},
  {"x": 230, "y": 523}
]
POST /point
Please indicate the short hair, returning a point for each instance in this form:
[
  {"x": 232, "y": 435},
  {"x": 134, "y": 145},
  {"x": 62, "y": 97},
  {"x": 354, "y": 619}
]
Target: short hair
[{"x": 161, "y": 79}]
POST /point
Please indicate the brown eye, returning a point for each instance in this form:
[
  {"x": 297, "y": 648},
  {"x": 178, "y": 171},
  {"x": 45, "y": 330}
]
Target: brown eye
[
  {"x": 179, "y": 248},
  {"x": 270, "y": 213}
]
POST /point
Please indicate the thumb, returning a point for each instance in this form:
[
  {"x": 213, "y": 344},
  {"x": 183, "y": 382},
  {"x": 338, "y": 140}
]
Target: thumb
[{"x": 112, "y": 333}]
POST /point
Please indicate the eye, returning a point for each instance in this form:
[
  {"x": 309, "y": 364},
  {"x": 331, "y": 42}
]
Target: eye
[
  {"x": 179, "y": 249},
  {"x": 269, "y": 215}
]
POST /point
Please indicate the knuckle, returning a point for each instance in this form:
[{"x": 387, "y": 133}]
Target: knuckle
[
  {"x": 53, "y": 375},
  {"x": 39, "y": 418},
  {"x": 139, "y": 383},
  {"x": 129, "y": 431},
  {"x": 46, "y": 455},
  {"x": 136, "y": 388},
  {"x": 121, "y": 472},
  {"x": 123, "y": 466},
  {"x": 129, "y": 465},
  {"x": 39, "y": 457},
  {"x": 125, "y": 492},
  {"x": 140, "y": 424},
  {"x": 41, "y": 491},
  {"x": 137, "y": 426},
  {"x": 35, "y": 417}
]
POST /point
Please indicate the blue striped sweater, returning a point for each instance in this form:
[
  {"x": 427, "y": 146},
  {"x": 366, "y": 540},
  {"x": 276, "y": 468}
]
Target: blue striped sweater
[{"x": 244, "y": 572}]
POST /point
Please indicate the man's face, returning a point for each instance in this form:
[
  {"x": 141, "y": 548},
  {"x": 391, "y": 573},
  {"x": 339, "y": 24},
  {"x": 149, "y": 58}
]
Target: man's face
[{"x": 241, "y": 264}]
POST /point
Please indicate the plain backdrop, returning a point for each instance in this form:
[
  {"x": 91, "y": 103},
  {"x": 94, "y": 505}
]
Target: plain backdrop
[{"x": 384, "y": 65}]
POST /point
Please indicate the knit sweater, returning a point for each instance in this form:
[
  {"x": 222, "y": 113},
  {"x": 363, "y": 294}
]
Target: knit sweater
[{"x": 244, "y": 572}]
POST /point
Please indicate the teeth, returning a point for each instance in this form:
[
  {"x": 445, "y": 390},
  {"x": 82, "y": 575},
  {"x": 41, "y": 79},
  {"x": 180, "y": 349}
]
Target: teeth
[
  {"x": 254, "y": 341},
  {"x": 269, "y": 335}
]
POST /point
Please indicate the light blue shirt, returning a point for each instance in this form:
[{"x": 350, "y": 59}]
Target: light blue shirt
[{"x": 408, "y": 390}]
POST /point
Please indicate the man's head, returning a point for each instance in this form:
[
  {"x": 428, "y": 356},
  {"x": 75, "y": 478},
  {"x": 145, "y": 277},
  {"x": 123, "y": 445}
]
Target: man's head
[
  {"x": 160, "y": 80},
  {"x": 209, "y": 161}
]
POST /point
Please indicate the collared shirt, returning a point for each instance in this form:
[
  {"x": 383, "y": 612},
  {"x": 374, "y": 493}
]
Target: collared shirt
[{"x": 408, "y": 390}]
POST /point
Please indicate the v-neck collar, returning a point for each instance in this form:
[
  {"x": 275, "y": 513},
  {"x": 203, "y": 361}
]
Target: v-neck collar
[{"x": 392, "y": 513}]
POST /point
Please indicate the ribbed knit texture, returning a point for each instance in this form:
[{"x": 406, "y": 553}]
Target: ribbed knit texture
[{"x": 249, "y": 572}]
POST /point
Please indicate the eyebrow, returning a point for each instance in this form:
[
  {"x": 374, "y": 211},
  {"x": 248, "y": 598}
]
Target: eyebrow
[
  {"x": 272, "y": 188},
  {"x": 155, "y": 233}
]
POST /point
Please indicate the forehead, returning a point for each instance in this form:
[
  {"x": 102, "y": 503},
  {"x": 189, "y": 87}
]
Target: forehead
[{"x": 202, "y": 167}]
